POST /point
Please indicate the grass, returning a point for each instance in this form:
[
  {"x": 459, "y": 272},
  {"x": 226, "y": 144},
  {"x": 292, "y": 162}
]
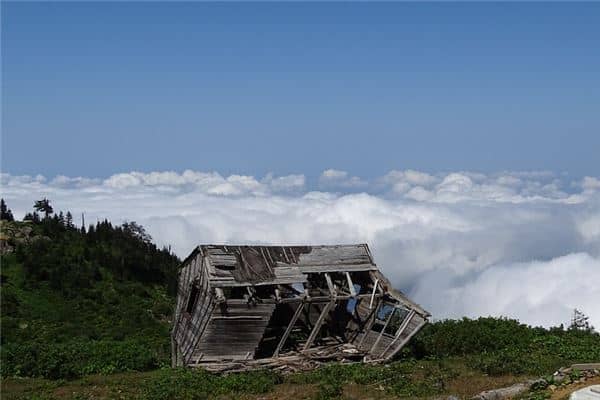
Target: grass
[{"x": 408, "y": 379}]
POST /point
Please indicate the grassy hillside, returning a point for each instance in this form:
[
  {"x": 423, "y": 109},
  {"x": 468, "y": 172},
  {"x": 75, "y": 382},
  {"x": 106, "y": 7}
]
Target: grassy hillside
[
  {"x": 86, "y": 314},
  {"x": 78, "y": 302}
]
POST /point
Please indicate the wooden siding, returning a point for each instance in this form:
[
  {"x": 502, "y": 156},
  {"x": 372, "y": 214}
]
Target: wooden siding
[
  {"x": 189, "y": 326},
  {"x": 234, "y": 332}
]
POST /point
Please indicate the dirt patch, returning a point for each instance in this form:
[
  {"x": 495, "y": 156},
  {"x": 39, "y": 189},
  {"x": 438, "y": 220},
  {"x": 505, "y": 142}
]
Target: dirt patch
[{"x": 469, "y": 386}]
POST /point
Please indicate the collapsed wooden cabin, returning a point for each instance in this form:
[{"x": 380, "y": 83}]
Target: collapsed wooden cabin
[{"x": 243, "y": 307}]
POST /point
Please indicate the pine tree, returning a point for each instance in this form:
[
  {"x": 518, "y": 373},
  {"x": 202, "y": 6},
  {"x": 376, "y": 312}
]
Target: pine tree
[
  {"x": 33, "y": 217},
  {"x": 61, "y": 218},
  {"x": 43, "y": 206},
  {"x": 69, "y": 219},
  {"x": 580, "y": 321},
  {"x": 5, "y": 213}
]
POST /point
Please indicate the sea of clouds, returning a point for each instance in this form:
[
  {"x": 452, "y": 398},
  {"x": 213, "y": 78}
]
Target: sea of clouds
[{"x": 515, "y": 244}]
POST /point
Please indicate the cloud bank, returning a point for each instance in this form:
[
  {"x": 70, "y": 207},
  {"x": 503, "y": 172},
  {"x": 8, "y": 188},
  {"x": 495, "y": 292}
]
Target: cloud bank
[{"x": 516, "y": 244}]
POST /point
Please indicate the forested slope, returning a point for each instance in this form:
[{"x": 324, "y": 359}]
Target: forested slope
[{"x": 77, "y": 301}]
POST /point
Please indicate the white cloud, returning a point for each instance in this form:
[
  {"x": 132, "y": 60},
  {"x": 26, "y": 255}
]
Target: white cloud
[
  {"x": 333, "y": 178},
  {"x": 539, "y": 292},
  {"x": 400, "y": 181},
  {"x": 461, "y": 243},
  {"x": 285, "y": 183}
]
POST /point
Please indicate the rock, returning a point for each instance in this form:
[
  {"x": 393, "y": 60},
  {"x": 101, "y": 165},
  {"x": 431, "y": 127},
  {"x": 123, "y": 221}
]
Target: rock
[
  {"x": 451, "y": 397},
  {"x": 503, "y": 393},
  {"x": 584, "y": 367},
  {"x": 565, "y": 370},
  {"x": 558, "y": 379},
  {"x": 538, "y": 384},
  {"x": 552, "y": 387}
]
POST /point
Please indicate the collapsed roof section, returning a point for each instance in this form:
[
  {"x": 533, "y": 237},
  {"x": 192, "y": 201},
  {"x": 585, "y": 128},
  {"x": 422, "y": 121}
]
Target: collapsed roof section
[{"x": 243, "y": 307}]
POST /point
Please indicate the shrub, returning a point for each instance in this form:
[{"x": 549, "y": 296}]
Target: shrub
[{"x": 76, "y": 358}]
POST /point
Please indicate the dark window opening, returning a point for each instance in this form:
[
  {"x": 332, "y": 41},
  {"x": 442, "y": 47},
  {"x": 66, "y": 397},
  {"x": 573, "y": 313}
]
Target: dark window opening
[
  {"x": 317, "y": 285},
  {"x": 264, "y": 291},
  {"x": 377, "y": 327},
  {"x": 192, "y": 300},
  {"x": 235, "y": 292}
]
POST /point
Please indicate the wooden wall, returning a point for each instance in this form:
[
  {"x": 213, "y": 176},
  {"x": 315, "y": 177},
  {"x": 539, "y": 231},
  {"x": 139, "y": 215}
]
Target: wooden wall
[
  {"x": 233, "y": 332},
  {"x": 189, "y": 327}
]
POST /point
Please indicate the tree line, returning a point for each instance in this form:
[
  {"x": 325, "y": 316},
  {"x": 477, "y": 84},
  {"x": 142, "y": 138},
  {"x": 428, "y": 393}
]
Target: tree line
[{"x": 72, "y": 258}]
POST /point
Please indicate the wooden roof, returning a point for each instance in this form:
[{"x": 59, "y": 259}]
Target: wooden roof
[{"x": 255, "y": 265}]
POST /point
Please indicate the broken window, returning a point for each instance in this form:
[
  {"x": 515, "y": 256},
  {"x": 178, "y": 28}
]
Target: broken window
[
  {"x": 384, "y": 312},
  {"x": 389, "y": 318},
  {"x": 396, "y": 321}
]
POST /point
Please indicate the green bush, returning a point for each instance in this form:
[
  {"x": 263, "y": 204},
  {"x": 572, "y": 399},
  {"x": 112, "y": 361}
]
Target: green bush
[
  {"x": 76, "y": 358},
  {"x": 499, "y": 346}
]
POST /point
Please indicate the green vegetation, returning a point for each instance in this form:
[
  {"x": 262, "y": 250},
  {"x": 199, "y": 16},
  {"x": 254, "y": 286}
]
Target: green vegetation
[
  {"x": 86, "y": 311},
  {"x": 399, "y": 379},
  {"x": 502, "y": 346},
  {"x": 80, "y": 301},
  {"x": 409, "y": 378}
]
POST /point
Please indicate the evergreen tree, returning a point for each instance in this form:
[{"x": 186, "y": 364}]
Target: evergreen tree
[
  {"x": 33, "y": 217},
  {"x": 5, "y": 213},
  {"x": 43, "y": 206},
  {"x": 137, "y": 231},
  {"x": 69, "y": 219}
]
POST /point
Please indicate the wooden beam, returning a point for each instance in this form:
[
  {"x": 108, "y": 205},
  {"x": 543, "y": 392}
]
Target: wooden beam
[
  {"x": 350, "y": 284},
  {"x": 322, "y": 299},
  {"x": 369, "y": 324},
  {"x": 330, "y": 284},
  {"x": 373, "y": 294},
  {"x": 317, "y": 327},
  {"x": 289, "y": 328}
]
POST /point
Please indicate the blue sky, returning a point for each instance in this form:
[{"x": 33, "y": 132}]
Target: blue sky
[
  {"x": 419, "y": 123},
  {"x": 93, "y": 89}
]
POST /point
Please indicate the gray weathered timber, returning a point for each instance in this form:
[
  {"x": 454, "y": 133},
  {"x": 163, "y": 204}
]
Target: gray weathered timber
[{"x": 290, "y": 307}]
